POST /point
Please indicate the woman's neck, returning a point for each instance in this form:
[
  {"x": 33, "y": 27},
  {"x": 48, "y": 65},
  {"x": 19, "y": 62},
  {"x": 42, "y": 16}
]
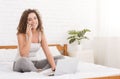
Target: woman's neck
[{"x": 34, "y": 30}]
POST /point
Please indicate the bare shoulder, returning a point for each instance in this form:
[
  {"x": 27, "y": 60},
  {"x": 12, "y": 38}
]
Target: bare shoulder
[{"x": 21, "y": 36}]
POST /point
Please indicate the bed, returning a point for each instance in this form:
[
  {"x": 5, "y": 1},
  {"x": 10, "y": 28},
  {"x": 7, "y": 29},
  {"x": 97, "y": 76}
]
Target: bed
[{"x": 84, "y": 70}]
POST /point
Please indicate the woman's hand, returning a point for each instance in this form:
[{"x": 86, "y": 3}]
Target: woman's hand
[{"x": 29, "y": 31}]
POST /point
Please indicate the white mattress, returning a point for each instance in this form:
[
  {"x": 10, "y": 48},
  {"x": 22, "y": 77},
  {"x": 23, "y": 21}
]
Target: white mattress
[{"x": 85, "y": 70}]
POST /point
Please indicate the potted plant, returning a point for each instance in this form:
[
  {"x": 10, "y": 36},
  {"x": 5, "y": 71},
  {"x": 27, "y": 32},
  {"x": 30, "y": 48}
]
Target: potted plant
[
  {"x": 75, "y": 35},
  {"x": 74, "y": 38}
]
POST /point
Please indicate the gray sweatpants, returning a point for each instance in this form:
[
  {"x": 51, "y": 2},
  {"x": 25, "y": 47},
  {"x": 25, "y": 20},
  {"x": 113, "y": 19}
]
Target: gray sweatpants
[{"x": 26, "y": 65}]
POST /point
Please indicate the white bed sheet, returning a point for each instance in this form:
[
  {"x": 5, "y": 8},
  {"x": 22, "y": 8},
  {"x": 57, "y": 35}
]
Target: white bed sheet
[{"x": 85, "y": 70}]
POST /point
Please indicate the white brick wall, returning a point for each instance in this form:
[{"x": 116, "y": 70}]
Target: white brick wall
[{"x": 58, "y": 17}]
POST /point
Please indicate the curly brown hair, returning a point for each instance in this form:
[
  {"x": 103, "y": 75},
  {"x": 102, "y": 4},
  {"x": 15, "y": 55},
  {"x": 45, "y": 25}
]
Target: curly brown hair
[{"x": 23, "y": 21}]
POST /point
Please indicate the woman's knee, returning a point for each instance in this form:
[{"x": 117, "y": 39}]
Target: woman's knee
[
  {"x": 24, "y": 64},
  {"x": 58, "y": 57}
]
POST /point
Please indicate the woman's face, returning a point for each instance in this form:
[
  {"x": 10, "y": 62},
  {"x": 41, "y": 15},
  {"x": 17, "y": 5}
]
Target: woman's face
[{"x": 32, "y": 20}]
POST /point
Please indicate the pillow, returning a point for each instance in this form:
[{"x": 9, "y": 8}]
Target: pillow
[
  {"x": 7, "y": 55},
  {"x": 10, "y": 54},
  {"x": 53, "y": 49}
]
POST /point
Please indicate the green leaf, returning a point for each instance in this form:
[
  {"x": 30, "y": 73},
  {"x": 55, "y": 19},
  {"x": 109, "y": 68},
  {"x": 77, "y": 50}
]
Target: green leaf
[
  {"x": 72, "y": 40},
  {"x": 77, "y": 35},
  {"x": 72, "y": 32},
  {"x": 71, "y": 37}
]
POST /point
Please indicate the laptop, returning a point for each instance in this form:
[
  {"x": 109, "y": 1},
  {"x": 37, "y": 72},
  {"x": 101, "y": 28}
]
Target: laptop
[{"x": 65, "y": 66}]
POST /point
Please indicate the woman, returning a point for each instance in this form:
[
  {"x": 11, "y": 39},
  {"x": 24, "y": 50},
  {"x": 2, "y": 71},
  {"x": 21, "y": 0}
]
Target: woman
[{"x": 31, "y": 38}]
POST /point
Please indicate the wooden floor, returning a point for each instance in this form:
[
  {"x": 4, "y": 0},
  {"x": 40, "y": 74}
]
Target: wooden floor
[{"x": 107, "y": 77}]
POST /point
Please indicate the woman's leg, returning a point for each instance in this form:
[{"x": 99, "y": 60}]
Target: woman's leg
[
  {"x": 24, "y": 65},
  {"x": 44, "y": 64}
]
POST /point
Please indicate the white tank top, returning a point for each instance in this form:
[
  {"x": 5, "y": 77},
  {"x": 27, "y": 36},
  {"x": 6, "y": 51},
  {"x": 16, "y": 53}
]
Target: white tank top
[{"x": 34, "y": 52}]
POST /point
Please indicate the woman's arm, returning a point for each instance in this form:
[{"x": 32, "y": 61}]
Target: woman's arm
[
  {"x": 47, "y": 51},
  {"x": 24, "y": 45}
]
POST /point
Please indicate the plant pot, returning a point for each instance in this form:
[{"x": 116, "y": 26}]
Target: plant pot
[{"x": 74, "y": 49}]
